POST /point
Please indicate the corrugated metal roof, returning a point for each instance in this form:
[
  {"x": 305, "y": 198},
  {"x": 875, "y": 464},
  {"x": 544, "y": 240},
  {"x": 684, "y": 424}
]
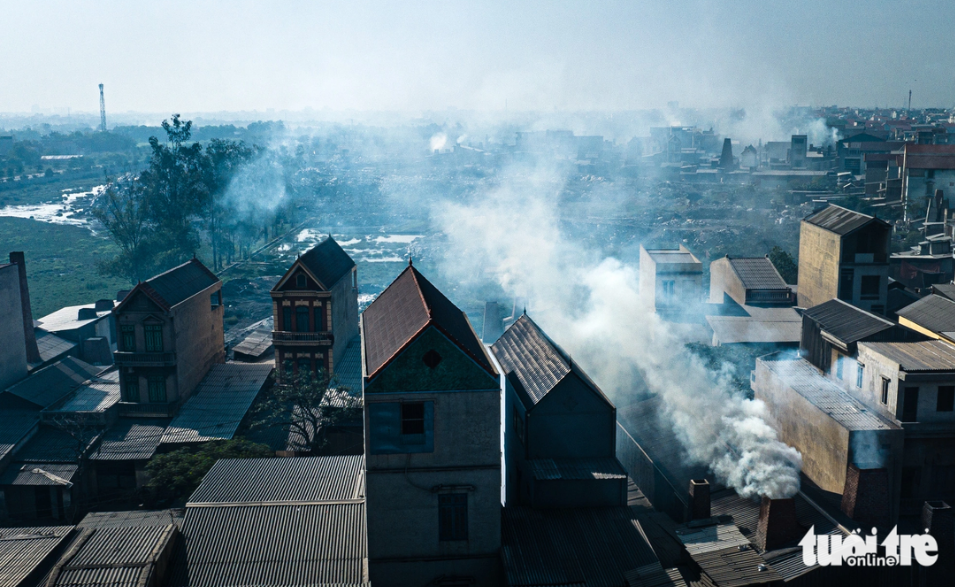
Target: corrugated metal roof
[
  {"x": 216, "y": 408},
  {"x": 590, "y": 468},
  {"x": 22, "y": 550},
  {"x": 946, "y": 290},
  {"x": 52, "y": 445},
  {"x": 846, "y": 322},
  {"x": 933, "y": 312},
  {"x": 38, "y": 474},
  {"x": 50, "y": 345},
  {"x": 131, "y": 440},
  {"x": 930, "y": 355},
  {"x": 51, "y": 383},
  {"x": 591, "y": 546},
  {"x": 403, "y": 310},
  {"x": 328, "y": 262},
  {"x": 97, "y": 395},
  {"x": 181, "y": 283},
  {"x": 114, "y": 556},
  {"x": 803, "y": 378},
  {"x": 726, "y": 556},
  {"x": 68, "y": 318},
  {"x": 348, "y": 368},
  {"x": 255, "y": 345},
  {"x": 132, "y": 518},
  {"x": 654, "y": 575},
  {"x": 271, "y": 545},
  {"x": 14, "y": 427},
  {"x": 839, "y": 220},
  {"x": 757, "y": 273},
  {"x": 306, "y": 479}
]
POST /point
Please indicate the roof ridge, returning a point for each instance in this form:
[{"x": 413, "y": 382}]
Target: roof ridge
[{"x": 417, "y": 284}]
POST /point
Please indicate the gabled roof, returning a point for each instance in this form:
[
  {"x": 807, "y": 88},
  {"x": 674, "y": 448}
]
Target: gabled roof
[
  {"x": 846, "y": 322},
  {"x": 175, "y": 286},
  {"x": 933, "y": 312},
  {"x": 54, "y": 382},
  {"x": 15, "y": 425},
  {"x": 326, "y": 261},
  {"x": 928, "y": 355},
  {"x": 23, "y": 550},
  {"x": 408, "y": 306},
  {"x": 757, "y": 272},
  {"x": 535, "y": 361},
  {"x": 134, "y": 439},
  {"x": 840, "y": 220}
]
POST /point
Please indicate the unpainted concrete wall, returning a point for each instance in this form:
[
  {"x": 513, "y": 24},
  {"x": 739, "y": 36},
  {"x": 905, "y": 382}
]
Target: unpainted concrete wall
[{"x": 13, "y": 350}]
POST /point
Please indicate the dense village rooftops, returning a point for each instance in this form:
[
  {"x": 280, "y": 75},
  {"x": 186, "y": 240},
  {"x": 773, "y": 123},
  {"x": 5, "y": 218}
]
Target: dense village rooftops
[
  {"x": 840, "y": 220},
  {"x": 51, "y": 383},
  {"x": 175, "y": 286},
  {"x": 845, "y": 322},
  {"x": 24, "y": 550},
  {"x": 217, "y": 407},
  {"x": 406, "y": 307},
  {"x": 130, "y": 440},
  {"x": 115, "y": 556},
  {"x": 96, "y": 395},
  {"x": 54, "y": 445},
  {"x": 39, "y": 474},
  {"x": 302, "y": 480},
  {"x": 15, "y": 425},
  {"x": 933, "y": 312},
  {"x": 537, "y": 362},
  {"x": 803, "y": 378},
  {"x": 757, "y": 273},
  {"x": 51, "y": 347},
  {"x": 930, "y": 355},
  {"x": 327, "y": 262},
  {"x": 132, "y": 518},
  {"x": 725, "y": 555}
]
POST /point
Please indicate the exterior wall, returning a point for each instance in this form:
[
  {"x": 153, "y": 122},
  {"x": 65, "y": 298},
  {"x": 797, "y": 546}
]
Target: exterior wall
[
  {"x": 13, "y": 350},
  {"x": 344, "y": 313},
  {"x": 724, "y": 280},
  {"x": 571, "y": 421},
  {"x": 687, "y": 281},
  {"x": 908, "y": 323},
  {"x": 652, "y": 482},
  {"x": 648, "y": 279},
  {"x": 513, "y": 415},
  {"x": 199, "y": 339},
  {"x": 819, "y": 254}
]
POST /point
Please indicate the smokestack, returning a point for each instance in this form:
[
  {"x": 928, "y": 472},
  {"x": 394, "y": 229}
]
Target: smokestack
[
  {"x": 33, "y": 353},
  {"x": 939, "y": 521},
  {"x": 726, "y": 157},
  {"x": 102, "y": 110},
  {"x": 699, "y": 499},
  {"x": 493, "y": 323},
  {"x": 777, "y": 523},
  {"x": 865, "y": 497}
]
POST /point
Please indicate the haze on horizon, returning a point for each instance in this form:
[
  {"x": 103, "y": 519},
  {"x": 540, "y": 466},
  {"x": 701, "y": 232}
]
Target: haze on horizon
[{"x": 208, "y": 56}]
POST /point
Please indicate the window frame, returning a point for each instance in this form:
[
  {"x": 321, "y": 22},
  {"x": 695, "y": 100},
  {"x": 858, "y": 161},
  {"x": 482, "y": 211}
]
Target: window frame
[
  {"x": 885, "y": 392},
  {"x": 301, "y": 281},
  {"x": 302, "y": 325},
  {"x": 287, "y": 319},
  {"x": 412, "y": 420},
  {"x": 452, "y": 517},
  {"x": 157, "y": 384},
  {"x": 131, "y": 388},
  {"x": 127, "y": 336},
  {"x": 860, "y": 374},
  {"x": 154, "y": 338}
]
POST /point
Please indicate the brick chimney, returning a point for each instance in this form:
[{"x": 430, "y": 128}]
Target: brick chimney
[
  {"x": 939, "y": 520},
  {"x": 699, "y": 499},
  {"x": 33, "y": 353},
  {"x": 777, "y": 523},
  {"x": 865, "y": 497}
]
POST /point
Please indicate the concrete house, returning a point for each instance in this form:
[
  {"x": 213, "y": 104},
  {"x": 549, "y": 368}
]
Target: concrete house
[
  {"x": 671, "y": 280},
  {"x": 844, "y": 255},
  {"x": 559, "y": 427},
  {"x": 170, "y": 335},
  {"x": 432, "y": 440},
  {"x": 315, "y": 309}
]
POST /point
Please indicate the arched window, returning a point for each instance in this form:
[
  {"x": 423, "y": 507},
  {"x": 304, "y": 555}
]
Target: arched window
[{"x": 301, "y": 281}]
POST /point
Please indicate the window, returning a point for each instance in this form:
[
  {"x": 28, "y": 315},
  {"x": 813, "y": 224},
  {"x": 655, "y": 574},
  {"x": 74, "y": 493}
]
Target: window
[
  {"x": 153, "y": 338},
  {"x": 839, "y": 362},
  {"x": 216, "y": 299},
  {"x": 131, "y": 391},
  {"x": 301, "y": 281},
  {"x": 669, "y": 289},
  {"x": 128, "y": 338},
  {"x": 870, "y": 287},
  {"x": 885, "y": 391},
  {"x": 412, "y": 418},
  {"x": 946, "y": 398},
  {"x": 860, "y": 371},
  {"x": 287, "y": 318},
  {"x": 157, "y": 389},
  {"x": 846, "y": 277},
  {"x": 910, "y": 405},
  {"x": 431, "y": 358},
  {"x": 317, "y": 311},
  {"x": 301, "y": 319},
  {"x": 453, "y": 516}
]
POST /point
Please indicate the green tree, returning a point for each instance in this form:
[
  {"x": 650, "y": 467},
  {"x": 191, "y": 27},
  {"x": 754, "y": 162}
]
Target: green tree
[
  {"x": 175, "y": 475},
  {"x": 785, "y": 264}
]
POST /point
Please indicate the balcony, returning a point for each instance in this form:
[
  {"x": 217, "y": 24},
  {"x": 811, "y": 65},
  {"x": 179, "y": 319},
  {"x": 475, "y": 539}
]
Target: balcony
[
  {"x": 320, "y": 338},
  {"x": 128, "y": 359},
  {"x": 147, "y": 410}
]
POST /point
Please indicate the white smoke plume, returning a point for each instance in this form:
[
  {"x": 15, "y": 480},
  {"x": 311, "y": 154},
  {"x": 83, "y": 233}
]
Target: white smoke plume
[{"x": 592, "y": 307}]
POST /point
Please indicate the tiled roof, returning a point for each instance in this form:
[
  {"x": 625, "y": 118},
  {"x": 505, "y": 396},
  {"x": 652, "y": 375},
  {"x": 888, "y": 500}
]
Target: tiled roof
[
  {"x": 176, "y": 285},
  {"x": 131, "y": 440},
  {"x": 846, "y": 322},
  {"x": 403, "y": 310},
  {"x": 97, "y": 395},
  {"x": 586, "y": 546},
  {"x": 24, "y": 550},
  {"x": 14, "y": 426},
  {"x": 51, "y": 383},
  {"x": 306, "y": 479},
  {"x": 932, "y": 312},
  {"x": 328, "y": 262},
  {"x": 38, "y": 474},
  {"x": 216, "y": 408},
  {"x": 589, "y": 468},
  {"x": 839, "y": 220},
  {"x": 930, "y": 355},
  {"x": 757, "y": 273}
]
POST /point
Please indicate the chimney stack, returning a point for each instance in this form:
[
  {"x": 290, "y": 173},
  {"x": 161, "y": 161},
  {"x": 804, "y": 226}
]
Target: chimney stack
[
  {"x": 777, "y": 523},
  {"x": 939, "y": 521},
  {"x": 33, "y": 353},
  {"x": 699, "y": 499},
  {"x": 865, "y": 497}
]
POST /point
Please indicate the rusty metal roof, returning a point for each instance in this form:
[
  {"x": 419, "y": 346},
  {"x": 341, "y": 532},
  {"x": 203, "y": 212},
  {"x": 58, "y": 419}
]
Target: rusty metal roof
[
  {"x": 405, "y": 309},
  {"x": 840, "y": 220}
]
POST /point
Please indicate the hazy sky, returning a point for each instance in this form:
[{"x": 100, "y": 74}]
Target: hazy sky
[{"x": 591, "y": 55}]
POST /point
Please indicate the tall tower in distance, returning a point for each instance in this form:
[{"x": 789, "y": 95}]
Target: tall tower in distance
[{"x": 102, "y": 110}]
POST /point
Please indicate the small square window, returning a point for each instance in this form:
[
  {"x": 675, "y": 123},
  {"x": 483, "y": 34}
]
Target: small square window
[
  {"x": 432, "y": 359},
  {"x": 412, "y": 418},
  {"x": 946, "y": 398},
  {"x": 870, "y": 287}
]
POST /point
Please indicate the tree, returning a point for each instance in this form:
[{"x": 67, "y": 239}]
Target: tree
[
  {"x": 123, "y": 212},
  {"x": 785, "y": 264},
  {"x": 307, "y": 406},
  {"x": 175, "y": 475}
]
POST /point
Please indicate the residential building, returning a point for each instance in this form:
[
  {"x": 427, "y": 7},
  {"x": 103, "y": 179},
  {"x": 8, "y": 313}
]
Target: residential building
[
  {"x": 933, "y": 316},
  {"x": 559, "y": 427},
  {"x": 798, "y": 147},
  {"x": 844, "y": 255},
  {"x": 432, "y": 440},
  {"x": 315, "y": 309},
  {"x": 170, "y": 335},
  {"x": 926, "y": 168},
  {"x": 91, "y": 326},
  {"x": 671, "y": 281}
]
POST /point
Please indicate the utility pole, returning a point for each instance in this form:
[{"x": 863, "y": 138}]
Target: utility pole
[
  {"x": 102, "y": 110},
  {"x": 910, "y": 99}
]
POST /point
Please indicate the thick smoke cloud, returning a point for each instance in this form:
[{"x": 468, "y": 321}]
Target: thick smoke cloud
[{"x": 591, "y": 305}]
